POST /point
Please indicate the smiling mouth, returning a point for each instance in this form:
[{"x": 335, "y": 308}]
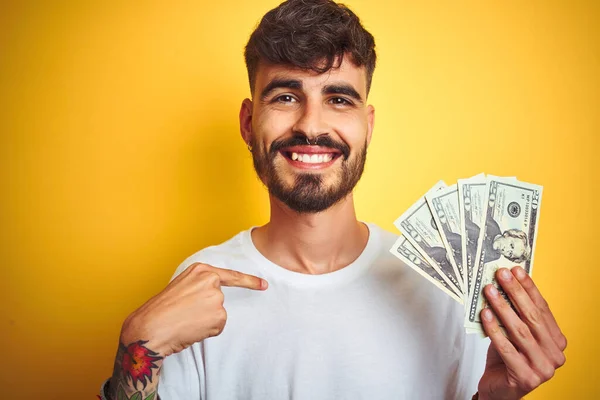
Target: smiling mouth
[{"x": 312, "y": 158}]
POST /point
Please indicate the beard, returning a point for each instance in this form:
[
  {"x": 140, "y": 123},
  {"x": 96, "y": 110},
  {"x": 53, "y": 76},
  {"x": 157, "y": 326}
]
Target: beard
[{"x": 308, "y": 194}]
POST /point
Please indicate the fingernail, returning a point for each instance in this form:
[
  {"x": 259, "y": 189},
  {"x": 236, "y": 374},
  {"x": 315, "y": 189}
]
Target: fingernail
[
  {"x": 519, "y": 272},
  {"x": 263, "y": 284},
  {"x": 487, "y": 314},
  {"x": 493, "y": 291},
  {"x": 505, "y": 274}
]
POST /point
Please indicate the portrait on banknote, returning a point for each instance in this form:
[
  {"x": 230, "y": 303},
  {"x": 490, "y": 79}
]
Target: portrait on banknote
[
  {"x": 512, "y": 243},
  {"x": 472, "y": 235},
  {"x": 440, "y": 255},
  {"x": 407, "y": 251},
  {"x": 455, "y": 241}
]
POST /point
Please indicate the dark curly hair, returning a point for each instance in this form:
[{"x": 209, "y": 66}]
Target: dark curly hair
[{"x": 310, "y": 34}]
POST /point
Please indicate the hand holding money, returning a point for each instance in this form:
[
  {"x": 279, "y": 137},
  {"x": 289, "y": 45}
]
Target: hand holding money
[
  {"x": 532, "y": 351},
  {"x": 475, "y": 241}
]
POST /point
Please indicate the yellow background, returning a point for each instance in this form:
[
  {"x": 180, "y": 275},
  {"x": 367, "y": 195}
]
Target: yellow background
[{"x": 120, "y": 156}]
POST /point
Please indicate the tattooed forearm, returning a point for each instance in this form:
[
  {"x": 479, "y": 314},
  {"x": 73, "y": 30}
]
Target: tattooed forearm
[
  {"x": 121, "y": 395},
  {"x": 135, "y": 367},
  {"x": 138, "y": 362}
]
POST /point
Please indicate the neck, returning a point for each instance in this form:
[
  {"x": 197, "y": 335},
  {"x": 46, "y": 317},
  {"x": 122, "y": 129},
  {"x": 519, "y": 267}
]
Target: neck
[{"x": 312, "y": 243}]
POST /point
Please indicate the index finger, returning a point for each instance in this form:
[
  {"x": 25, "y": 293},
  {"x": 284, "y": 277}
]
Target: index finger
[{"x": 233, "y": 278}]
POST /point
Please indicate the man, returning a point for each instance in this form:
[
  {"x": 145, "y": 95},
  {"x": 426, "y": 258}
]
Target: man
[{"x": 340, "y": 318}]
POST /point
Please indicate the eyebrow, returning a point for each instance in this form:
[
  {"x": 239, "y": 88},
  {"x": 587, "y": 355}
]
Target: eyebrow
[
  {"x": 342, "y": 89},
  {"x": 280, "y": 83}
]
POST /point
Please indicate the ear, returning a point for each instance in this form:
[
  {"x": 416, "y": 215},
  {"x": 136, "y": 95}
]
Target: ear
[
  {"x": 370, "y": 122},
  {"x": 246, "y": 121}
]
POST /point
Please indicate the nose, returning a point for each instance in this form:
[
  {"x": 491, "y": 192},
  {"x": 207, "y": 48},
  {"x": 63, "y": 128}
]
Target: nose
[{"x": 311, "y": 121}]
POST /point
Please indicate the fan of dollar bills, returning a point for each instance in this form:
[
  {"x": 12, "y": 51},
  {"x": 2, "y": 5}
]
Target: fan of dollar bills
[{"x": 458, "y": 236}]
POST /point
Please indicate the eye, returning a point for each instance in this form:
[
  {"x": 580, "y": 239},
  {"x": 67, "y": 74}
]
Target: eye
[
  {"x": 512, "y": 245},
  {"x": 340, "y": 101},
  {"x": 285, "y": 98}
]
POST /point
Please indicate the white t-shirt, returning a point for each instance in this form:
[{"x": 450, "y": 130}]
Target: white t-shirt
[{"x": 372, "y": 330}]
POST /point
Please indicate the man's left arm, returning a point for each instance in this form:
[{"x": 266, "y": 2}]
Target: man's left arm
[{"x": 535, "y": 345}]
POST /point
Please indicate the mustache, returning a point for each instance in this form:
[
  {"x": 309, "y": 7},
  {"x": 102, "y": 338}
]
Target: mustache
[{"x": 325, "y": 141}]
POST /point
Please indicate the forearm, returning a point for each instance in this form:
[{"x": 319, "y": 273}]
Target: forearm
[
  {"x": 189, "y": 310},
  {"x": 136, "y": 372}
]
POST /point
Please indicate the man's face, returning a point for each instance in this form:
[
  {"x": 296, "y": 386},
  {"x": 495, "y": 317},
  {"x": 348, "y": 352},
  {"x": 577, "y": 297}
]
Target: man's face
[
  {"x": 292, "y": 108},
  {"x": 510, "y": 247}
]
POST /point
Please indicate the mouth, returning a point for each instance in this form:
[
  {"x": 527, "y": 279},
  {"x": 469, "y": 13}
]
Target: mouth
[{"x": 310, "y": 157}]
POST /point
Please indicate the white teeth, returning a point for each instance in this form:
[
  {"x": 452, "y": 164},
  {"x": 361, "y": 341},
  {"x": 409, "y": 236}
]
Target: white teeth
[{"x": 312, "y": 159}]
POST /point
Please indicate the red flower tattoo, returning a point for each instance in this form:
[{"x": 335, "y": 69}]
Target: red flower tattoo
[{"x": 138, "y": 362}]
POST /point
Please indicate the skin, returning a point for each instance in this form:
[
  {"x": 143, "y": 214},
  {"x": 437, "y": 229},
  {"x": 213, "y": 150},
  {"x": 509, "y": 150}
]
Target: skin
[
  {"x": 317, "y": 243},
  {"x": 534, "y": 346},
  {"x": 190, "y": 309},
  {"x": 329, "y": 240}
]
